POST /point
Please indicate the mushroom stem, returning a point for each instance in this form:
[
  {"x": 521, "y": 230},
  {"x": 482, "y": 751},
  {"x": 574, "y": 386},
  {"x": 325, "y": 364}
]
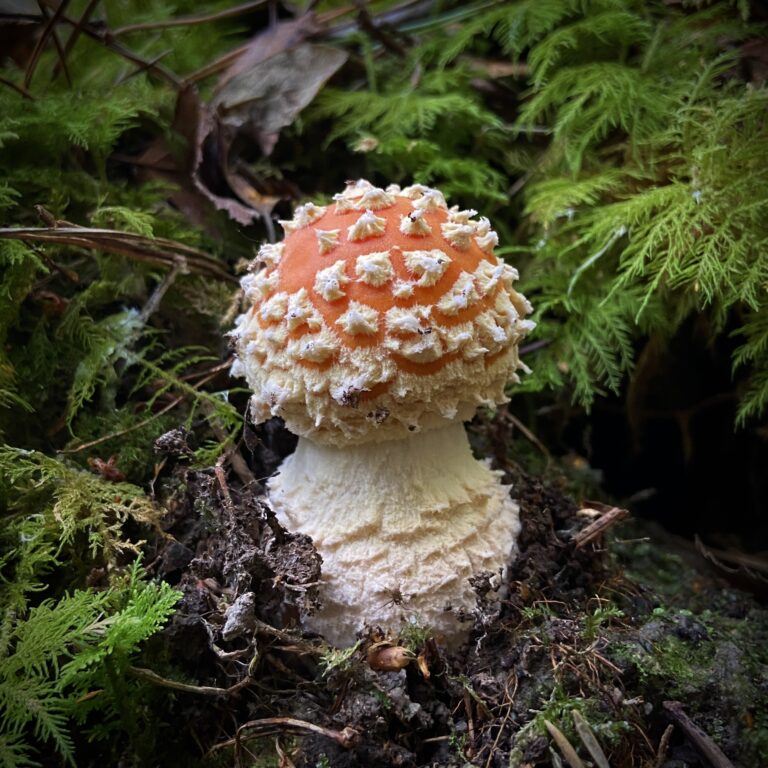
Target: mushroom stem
[{"x": 401, "y": 526}]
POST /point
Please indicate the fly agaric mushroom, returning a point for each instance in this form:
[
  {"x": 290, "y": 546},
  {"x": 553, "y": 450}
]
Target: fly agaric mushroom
[{"x": 375, "y": 329}]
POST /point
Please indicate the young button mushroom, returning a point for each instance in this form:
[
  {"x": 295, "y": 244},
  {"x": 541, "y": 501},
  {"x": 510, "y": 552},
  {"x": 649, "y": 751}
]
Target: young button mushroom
[{"x": 377, "y": 329}]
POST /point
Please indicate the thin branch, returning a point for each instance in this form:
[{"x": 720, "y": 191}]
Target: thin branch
[
  {"x": 106, "y": 39},
  {"x": 216, "y": 66},
  {"x": 598, "y": 527},
  {"x": 132, "y": 428},
  {"x": 62, "y": 62},
  {"x": 205, "y": 690},
  {"x": 138, "y": 425},
  {"x": 58, "y": 12},
  {"x": 85, "y": 17},
  {"x": 268, "y": 726},
  {"x": 377, "y": 32},
  {"x": 154, "y": 300},
  {"x": 188, "y": 21},
  {"x": 146, "y": 66},
  {"x": 752, "y": 565},
  {"x": 18, "y": 88}
]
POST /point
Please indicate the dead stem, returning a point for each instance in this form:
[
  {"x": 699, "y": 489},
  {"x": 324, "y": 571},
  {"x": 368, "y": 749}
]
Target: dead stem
[
  {"x": 347, "y": 738},
  {"x": 188, "y": 21},
  {"x": 84, "y": 19},
  {"x": 205, "y": 690},
  {"x": 18, "y": 88},
  {"x": 155, "y": 250}
]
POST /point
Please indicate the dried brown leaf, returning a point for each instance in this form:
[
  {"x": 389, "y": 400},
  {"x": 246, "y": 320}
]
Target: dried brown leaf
[{"x": 266, "y": 97}]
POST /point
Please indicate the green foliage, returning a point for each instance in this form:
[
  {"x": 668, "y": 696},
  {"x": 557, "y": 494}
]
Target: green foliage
[
  {"x": 428, "y": 125},
  {"x": 338, "y": 659},
  {"x": 79, "y": 501},
  {"x": 62, "y": 652},
  {"x": 640, "y": 148},
  {"x": 600, "y": 616}
]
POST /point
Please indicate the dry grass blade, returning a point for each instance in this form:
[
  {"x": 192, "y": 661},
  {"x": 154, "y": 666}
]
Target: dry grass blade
[
  {"x": 565, "y": 746},
  {"x": 589, "y": 740},
  {"x": 155, "y": 250}
]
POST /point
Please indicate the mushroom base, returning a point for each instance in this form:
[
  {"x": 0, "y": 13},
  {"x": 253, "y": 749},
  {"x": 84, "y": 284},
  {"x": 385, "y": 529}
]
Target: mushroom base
[{"x": 401, "y": 525}]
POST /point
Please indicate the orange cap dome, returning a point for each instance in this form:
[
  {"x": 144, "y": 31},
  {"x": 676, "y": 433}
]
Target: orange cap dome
[{"x": 383, "y": 313}]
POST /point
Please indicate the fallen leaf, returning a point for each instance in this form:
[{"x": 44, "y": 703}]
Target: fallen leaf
[{"x": 269, "y": 95}]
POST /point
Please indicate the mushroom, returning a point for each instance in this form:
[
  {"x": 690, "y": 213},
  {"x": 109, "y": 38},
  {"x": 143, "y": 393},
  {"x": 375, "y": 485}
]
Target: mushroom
[{"x": 375, "y": 330}]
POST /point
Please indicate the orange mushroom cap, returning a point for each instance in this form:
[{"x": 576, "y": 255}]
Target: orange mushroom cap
[{"x": 380, "y": 314}]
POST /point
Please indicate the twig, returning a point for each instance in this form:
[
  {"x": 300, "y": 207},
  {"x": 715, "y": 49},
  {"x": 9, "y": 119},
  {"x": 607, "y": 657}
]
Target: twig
[
  {"x": 526, "y": 349},
  {"x": 147, "y": 65},
  {"x": 132, "y": 428},
  {"x": 347, "y": 738},
  {"x": 236, "y": 461},
  {"x": 511, "y": 700},
  {"x": 85, "y": 17},
  {"x": 18, "y": 88},
  {"x": 205, "y": 690},
  {"x": 470, "y": 720},
  {"x": 755, "y": 567},
  {"x": 157, "y": 295},
  {"x": 58, "y": 12},
  {"x": 57, "y": 44},
  {"x": 216, "y": 65},
  {"x": 376, "y": 32},
  {"x": 263, "y": 628},
  {"x": 700, "y": 740},
  {"x": 188, "y": 21},
  {"x": 598, "y": 527},
  {"x": 144, "y": 422},
  {"x": 106, "y": 39},
  {"x": 529, "y": 435}
]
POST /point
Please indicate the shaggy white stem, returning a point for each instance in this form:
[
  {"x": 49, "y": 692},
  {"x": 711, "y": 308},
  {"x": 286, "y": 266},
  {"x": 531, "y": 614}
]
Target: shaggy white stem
[{"x": 414, "y": 518}]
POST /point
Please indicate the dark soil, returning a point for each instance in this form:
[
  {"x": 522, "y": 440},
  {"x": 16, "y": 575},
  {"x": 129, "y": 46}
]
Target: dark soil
[{"x": 579, "y": 641}]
